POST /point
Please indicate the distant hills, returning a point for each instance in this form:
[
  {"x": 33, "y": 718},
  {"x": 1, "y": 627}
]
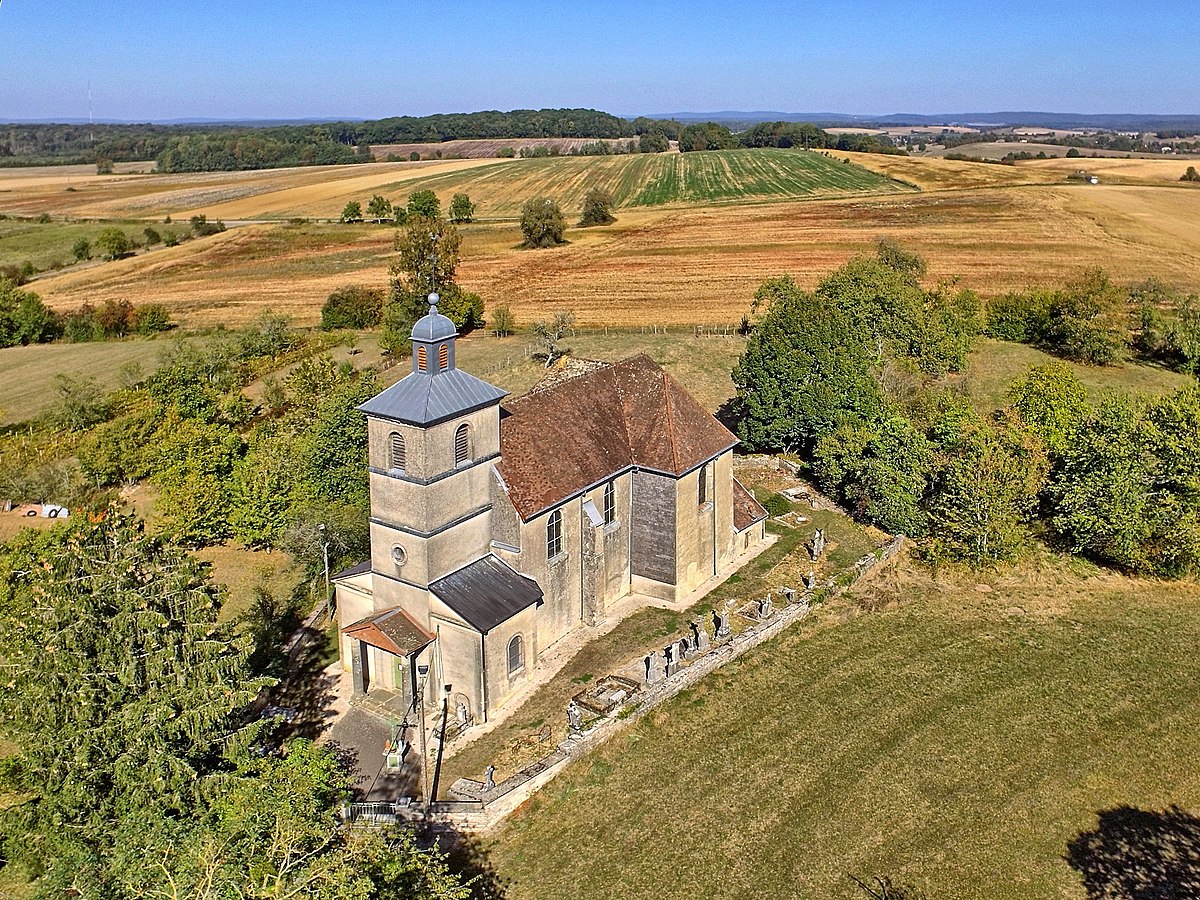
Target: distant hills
[{"x": 1106, "y": 121}]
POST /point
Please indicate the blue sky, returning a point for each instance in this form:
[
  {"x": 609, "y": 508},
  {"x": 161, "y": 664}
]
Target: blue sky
[{"x": 268, "y": 59}]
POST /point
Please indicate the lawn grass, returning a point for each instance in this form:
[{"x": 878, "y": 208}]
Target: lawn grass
[
  {"x": 994, "y": 365},
  {"x": 515, "y": 743},
  {"x": 28, "y": 373},
  {"x": 957, "y": 741},
  {"x": 45, "y": 244}
]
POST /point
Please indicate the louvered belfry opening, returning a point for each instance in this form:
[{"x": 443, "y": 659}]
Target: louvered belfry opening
[
  {"x": 462, "y": 444},
  {"x": 397, "y": 450},
  {"x": 443, "y": 356},
  {"x": 422, "y": 365}
]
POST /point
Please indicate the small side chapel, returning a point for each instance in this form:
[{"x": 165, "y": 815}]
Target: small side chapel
[{"x": 498, "y": 527}]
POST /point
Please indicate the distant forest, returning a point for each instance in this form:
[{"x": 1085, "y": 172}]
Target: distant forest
[
  {"x": 193, "y": 148},
  {"x": 215, "y": 148}
]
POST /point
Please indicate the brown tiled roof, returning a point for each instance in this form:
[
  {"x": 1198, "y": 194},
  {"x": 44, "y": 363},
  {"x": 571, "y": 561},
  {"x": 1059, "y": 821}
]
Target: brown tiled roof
[
  {"x": 746, "y": 510},
  {"x": 391, "y": 630},
  {"x": 557, "y": 441}
]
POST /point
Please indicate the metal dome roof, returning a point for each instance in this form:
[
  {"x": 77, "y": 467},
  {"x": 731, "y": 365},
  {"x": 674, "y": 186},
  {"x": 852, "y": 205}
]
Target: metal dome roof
[{"x": 433, "y": 326}]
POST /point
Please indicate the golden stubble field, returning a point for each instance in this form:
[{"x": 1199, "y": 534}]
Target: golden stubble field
[{"x": 993, "y": 228}]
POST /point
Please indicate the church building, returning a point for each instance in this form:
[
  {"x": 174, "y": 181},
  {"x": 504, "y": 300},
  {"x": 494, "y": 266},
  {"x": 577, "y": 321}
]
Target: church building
[{"x": 499, "y": 526}]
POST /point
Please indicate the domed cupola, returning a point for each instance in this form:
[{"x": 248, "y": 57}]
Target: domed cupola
[{"x": 433, "y": 341}]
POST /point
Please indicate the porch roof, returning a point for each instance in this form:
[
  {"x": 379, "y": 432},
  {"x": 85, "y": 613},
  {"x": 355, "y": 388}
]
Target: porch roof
[{"x": 391, "y": 630}]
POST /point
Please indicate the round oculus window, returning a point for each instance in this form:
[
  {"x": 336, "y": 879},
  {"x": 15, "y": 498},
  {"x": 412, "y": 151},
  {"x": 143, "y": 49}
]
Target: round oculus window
[{"x": 399, "y": 557}]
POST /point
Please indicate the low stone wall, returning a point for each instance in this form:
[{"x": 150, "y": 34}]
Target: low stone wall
[{"x": 496, "y": 801}]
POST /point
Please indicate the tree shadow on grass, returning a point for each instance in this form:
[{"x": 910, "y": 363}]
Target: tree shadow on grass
[
  {"x": 470, "y": 860},
  {"x": 1136, "y": 854}
]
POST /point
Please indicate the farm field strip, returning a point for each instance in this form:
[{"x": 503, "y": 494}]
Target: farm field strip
[{"x": 679, "y": 266}]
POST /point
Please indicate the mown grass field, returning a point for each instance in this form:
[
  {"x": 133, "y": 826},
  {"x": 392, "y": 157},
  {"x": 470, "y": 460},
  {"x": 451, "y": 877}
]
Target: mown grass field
[{"x": 957, "y": 740}]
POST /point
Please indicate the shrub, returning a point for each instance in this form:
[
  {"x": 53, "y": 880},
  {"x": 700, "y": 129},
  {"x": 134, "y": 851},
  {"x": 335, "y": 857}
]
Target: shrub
[
  {"x": 503, "y": 321},
  {"x": 1020, "y": 318},
  {"x": 170, "y": 240},
  {"x": 113, "y": 243},
  {"x": 152, "y": 236},
  {"x": 414, "y": 156},
  {"x": 506, "y": 153},
  {"x": 424, "y": 203},
  {"x": 82, "y": 249},
  {"x": 353, "y": 306},
  {"x": 151, "y": 318},
  {"x": 461, "y": 208},
  {"x": 201, "y": 227},
  {"x": 777, "y": 505},
  {"x": 597, "y": 208},
  {"x": 542, "y": 223}
]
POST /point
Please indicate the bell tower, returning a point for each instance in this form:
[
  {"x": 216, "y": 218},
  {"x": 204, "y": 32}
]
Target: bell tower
[{"x": 434, "y": 437}]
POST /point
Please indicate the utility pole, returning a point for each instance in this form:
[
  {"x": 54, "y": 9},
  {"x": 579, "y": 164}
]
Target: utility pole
[{"x": 325, "y": 557}]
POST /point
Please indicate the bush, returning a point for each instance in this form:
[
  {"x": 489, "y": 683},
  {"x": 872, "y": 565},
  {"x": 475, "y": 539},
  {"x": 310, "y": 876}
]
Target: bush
[
  {"x": 151, "y": 318},
  {"x": 113, "y": 243},
  {"x": 170, "y": 240},
  {"x": 152, "y": 236},
  {"x": 597, "y": 208},
  {"x": 414, "y": 156},
  {"x": 503, "y": 321},
  {"x": 777, "y": 505},
  {"x": 424, "y": 203},
  {"x": 353, "y": 306},
  {"x": 542, "y": 223},
  {"x": 201, "y": 227},
  {"x": 462, "y": 209},
  {"x": 506, "y": 153},
  {"x": 82, "y": 249},
  {"x": 1020, "y": 318}
]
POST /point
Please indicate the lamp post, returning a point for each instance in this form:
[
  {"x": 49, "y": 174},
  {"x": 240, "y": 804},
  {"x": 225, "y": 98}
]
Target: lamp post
[{"x": 419, "y": 706}]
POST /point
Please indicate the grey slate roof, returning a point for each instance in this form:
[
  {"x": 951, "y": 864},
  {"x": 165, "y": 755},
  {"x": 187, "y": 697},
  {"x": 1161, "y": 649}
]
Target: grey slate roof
[
  {"x": 487, "y": 592},
  {"x": 422, "y": 399}
]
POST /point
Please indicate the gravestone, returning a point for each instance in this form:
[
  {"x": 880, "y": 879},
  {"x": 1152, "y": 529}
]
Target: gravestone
[
  {"x": 683, "y": 649},
  {"x": 463, "y": 715},
  {"x": 818, "y": 544},
  {"x": 721, "y": 621},
  {"x": 574, "y": 718},
  {"x": 702, "y": 641},
  {"x": 810, "y": 580},
  {"x": 766, "y": 607},
  {"x": 789, "y": 595},
  {"x": 651, "y": 669},
  {"x": 489, "y": 778},
  {"x": 668, "y": 659}
]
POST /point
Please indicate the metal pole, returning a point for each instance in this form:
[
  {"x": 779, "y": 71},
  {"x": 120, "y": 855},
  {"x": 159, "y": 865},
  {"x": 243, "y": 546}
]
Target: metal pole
[
  {"x": 325, "y": 558},
  {"x": 419, "y": 702}
]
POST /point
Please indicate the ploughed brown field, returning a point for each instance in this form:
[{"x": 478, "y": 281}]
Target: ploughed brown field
[{"x": 993, "y": 228}]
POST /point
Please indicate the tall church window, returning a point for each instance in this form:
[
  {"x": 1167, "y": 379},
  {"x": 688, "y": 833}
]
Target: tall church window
[
  {"x": 462, "y": 444},
  {"x": 610, "y": 503},
  {"x": 702, "y": 486},
  {"x": 516, "y": 655},
  {"x": 421, "y": 359},
  {"x": 554, "y": 541},
  {"x": 396, "y": 451}
]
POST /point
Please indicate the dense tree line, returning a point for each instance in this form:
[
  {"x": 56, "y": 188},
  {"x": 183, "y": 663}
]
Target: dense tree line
[
  {"x": 845, "y": 376},
  {"x": 714, "y": 136},
  {"x": 25, "y": 319},
  {"x": 134, "y": 769}
]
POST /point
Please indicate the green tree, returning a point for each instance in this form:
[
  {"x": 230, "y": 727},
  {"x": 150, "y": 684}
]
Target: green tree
[
  {"x": 542, "y": 223},
  {"x": 882, "y": 473},
  {"x": 428, "y": 252},
  {"x": 463, "y": 308},
  {"x": 1125, "y": 491},
  {"x": 1052, "y": 402},
  {"x": 152, "y": 318},
  {"x": 152, "y": 236},
  {"x": 379, "y": 208},
  {"x": 806, "y": 369},
  {"x": 503, "y": 321},
  {"x": 81, "y": 403},
  {"x": 987, "y": 480},
  {"x": 461, "y": 208},
  {"x": 597, "y": 208},
  {"x": 82, "y": 249},
  {"x": 1190, "y": 175},
  {"x": 1086, "y": 319},
  {"x": 127, "y": 628},
  {"x": 263, "y": 490},
  {"x": 352, "y": 306},
  {"x": 24, "y": 318},
  {"x": 278, "y": 835},
  {"x": 424, "y": 204},
  {"x": 191, "y": 466},
  {"x": 352, "y": 212},
  {"x": 653, "y": 142},
  {"x": 113, "y": 243}
]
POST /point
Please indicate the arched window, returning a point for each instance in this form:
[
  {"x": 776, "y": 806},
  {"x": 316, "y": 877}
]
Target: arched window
[
  {"x": 610, "y": 503},
  {"x": 443, "y": 356},
  {"x": 396, "y": 451},
  {"x": 462, "y": 444},
  {"x": 554, "y": 542},
  {"x": 702, "y": 489},
  {"x": 421, "y": 359},
  {"x": 516, "y": 655}
]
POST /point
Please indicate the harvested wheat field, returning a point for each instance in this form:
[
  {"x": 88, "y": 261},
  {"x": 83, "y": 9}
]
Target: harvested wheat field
[
  {"x": 697, "y": 265},
  {"x": 265, "y": 193},
  {"x": 933, "y": 174},
  {"x": 1149, "y": 171}
]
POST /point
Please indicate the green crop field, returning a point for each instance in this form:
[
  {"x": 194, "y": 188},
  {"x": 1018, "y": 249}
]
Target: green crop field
[
  {"x": 957, "y": 741},
  {"x": 45, "y": 244},
  {"x": 657, "y": 179}
]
